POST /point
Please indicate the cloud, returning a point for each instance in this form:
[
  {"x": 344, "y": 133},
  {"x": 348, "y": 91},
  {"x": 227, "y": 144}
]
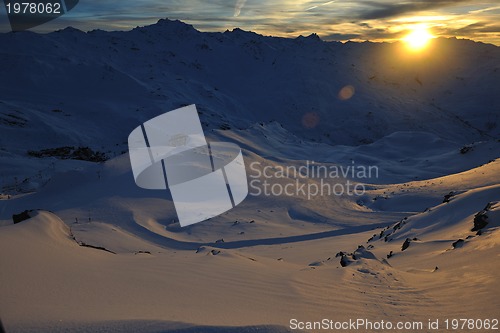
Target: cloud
[
  {"x": 339, "y": 36},
  {"x": 386, "y": 10},
  {"x": 239, "y": 6},
  {"x": 320, "y": 5},
  {"x": 473, "y": 30},
  {"x": 375, "y": 20}
]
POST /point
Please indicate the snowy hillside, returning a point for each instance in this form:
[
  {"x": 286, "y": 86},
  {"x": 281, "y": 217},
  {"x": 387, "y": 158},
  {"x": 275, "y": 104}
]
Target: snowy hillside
[
  {"x": 91, "y": 89},
  {"x": 94, "y": 252}
]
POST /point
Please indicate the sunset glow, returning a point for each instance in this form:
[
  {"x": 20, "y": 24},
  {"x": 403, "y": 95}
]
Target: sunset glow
[
  {"x": 375, "y": 21},
  {"x": 418, "y": 38}
]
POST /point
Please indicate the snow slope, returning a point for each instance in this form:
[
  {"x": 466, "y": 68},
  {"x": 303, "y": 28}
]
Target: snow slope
[
  {"x": 186, "y": 277},
  {"x": 92, "y": 89}
]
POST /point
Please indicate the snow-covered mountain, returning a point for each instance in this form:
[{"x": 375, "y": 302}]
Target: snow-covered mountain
[{"x": 99, "y": 253}]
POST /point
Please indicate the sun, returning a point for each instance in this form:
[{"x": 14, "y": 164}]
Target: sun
[{"x": 418, "y": 38}]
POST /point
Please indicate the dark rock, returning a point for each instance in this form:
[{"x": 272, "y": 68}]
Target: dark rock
[
  {"x": 142, "y": 252},
  {"x": 481, "y": 218},
  {"x": 68, "y": 152},
  {"x": 21, "y": 216},
  {"x": 344, "y": 261},
  {"x": 459, "y": 243},
  {"x": 316, "y": 264},
  {"x": 480, "y": 221},
  {"x": 361, "y": 252},
  {"x": 95, "y": 247},
  {"x": 406, "y": 244},
  {"x": 225, "y": 127},
  {"x": 448, "y": 196},
  {"x": 466, "y": 149}
]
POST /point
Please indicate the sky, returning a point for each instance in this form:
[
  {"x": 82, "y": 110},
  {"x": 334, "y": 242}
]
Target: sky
[{"x": 374, "y": 20}]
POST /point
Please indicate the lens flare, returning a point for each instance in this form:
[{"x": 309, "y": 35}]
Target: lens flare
[
  {"x": 310, "y": 120},
  {"x": 346, "y": 93}
]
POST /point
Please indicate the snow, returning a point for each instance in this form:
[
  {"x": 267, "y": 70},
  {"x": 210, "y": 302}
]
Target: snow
[{"x": 428, "y": 124}]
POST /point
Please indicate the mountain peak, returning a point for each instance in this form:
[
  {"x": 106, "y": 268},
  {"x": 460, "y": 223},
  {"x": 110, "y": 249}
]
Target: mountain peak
[
  {"x": 312, "y": 37},
  {"x": 239, "y": 31},
  {"x": 167, "y": 25},
  {"x": 69, "y": 30},
  {"x": 172, "y": 24}
]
